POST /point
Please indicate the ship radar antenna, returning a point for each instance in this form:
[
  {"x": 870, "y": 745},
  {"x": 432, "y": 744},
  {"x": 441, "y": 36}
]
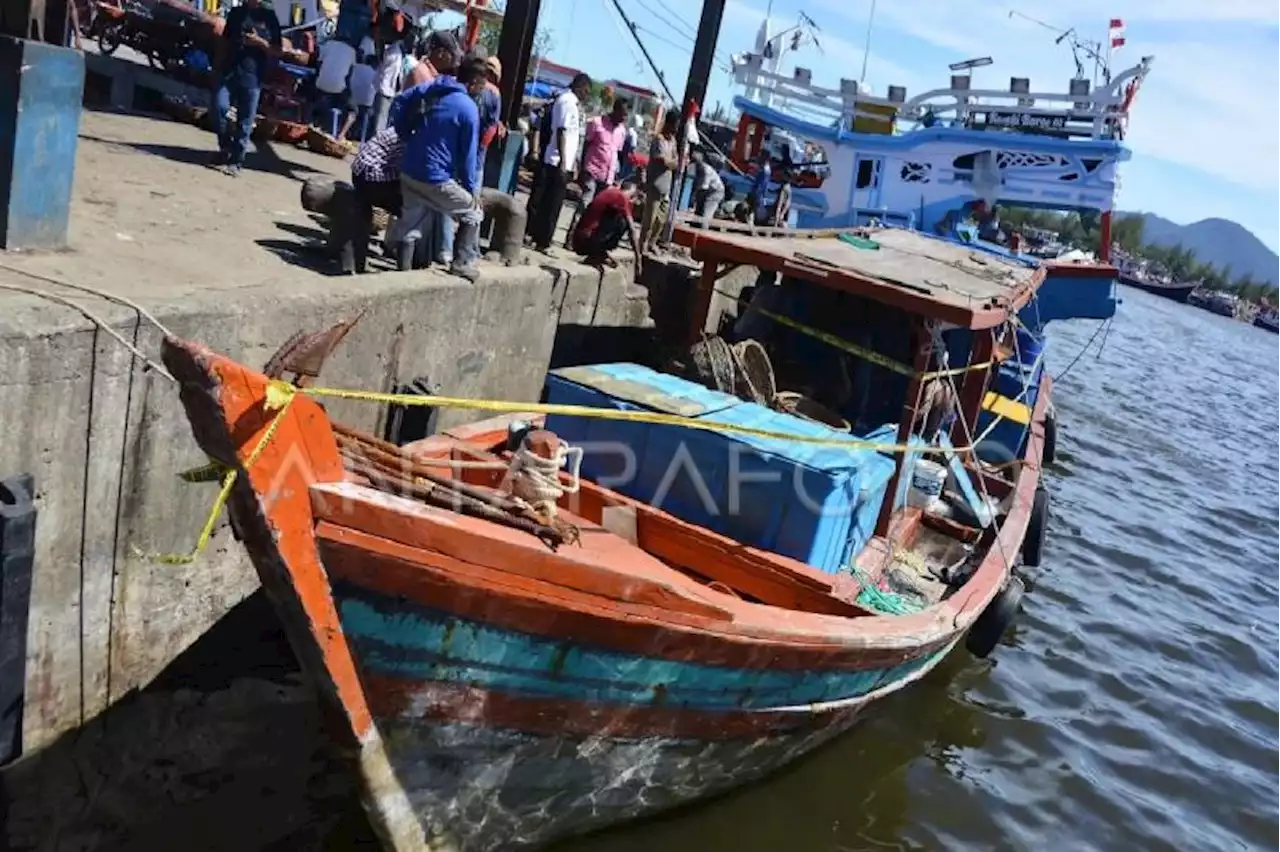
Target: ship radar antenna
[{"x": 1079, "y": 47}]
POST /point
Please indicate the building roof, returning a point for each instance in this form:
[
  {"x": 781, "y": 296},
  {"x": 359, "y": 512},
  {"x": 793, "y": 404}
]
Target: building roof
[
  {"x": 635, "y": 90},
  {"x": 541, "y": 64}
]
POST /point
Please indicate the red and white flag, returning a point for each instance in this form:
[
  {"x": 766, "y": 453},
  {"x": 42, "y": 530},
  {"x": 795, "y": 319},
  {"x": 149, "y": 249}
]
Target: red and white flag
[{"x": 1116, "y": 33}]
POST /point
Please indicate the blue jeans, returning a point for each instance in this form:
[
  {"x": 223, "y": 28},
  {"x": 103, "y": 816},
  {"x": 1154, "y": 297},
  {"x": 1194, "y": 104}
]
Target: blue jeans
[
  {"x": 242, "y": 92},
  {"x": 327, "y": 110},
  {"x": 360, "y": 126}
]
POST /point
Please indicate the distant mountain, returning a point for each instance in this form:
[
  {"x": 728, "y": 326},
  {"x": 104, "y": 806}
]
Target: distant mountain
[{"x": 1217, "y": 242}]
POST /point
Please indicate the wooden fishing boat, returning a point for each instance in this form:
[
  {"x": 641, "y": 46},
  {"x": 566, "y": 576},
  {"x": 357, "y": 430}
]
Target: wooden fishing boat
[{"x": 510, "y": 664}]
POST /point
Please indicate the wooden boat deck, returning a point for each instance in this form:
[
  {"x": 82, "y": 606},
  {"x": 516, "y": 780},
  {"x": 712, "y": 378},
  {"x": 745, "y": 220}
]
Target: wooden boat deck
[{"x": 914, "y": 271}]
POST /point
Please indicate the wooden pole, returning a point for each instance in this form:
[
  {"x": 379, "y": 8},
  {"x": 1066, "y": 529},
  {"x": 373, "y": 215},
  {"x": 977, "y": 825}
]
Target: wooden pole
[
  {"x": 701, "y": 304},
  {"x": 515, "y": 49},
  {"x": 974, "y": 386},
  {"x": 1104, "y": 237},
  {"x": 923, "y": 344}
]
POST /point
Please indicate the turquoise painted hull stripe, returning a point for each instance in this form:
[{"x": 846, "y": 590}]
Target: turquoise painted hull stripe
[{"x": 394, "y": 638}]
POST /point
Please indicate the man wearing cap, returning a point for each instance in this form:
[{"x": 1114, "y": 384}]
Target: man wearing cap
[
  {"x": 440, "y": 125},
  {"x": 442, "y": 54}
]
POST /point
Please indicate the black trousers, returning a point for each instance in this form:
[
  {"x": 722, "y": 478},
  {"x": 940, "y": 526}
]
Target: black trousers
[
  {"x": 545, "y": 204},
  {"x": 368, "y": 196}
]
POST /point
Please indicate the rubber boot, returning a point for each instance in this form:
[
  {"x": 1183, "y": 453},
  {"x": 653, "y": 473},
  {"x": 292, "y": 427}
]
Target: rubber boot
[
  {"x": 465, "y": 243},
  {"x": 405, "y": 253},
  {"x": 347, "y": 258}
]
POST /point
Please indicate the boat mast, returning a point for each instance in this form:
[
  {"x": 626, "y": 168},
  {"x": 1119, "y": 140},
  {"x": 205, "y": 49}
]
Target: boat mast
[{"x": 866, "y": 48}]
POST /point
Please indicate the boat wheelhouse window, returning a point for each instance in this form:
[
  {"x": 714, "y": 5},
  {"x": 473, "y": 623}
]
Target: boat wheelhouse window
[
  {"x": 916, "y": 172},
  {"x": 866, "y": 174},
  {"x": 964, "y": 161}
]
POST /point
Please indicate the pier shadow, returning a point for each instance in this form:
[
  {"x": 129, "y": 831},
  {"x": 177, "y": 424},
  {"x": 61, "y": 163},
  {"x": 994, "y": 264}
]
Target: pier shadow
[
  {"x": 577, "y": 345},
  {"x": 311, "y": 256},
  {"x": 225, "y": 750},
  {"x": 263, "y": 157}
]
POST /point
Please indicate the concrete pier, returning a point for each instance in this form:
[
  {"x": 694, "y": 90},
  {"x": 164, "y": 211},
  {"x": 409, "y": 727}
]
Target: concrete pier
[{"x": 226, "y": 261}]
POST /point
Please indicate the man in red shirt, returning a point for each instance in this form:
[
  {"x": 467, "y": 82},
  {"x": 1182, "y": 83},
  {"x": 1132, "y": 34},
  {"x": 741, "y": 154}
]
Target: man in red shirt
[{"x": 607, "y": 219}]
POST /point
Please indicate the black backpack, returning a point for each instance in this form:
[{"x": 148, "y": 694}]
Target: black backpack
[{"x": 544, "y": 131}]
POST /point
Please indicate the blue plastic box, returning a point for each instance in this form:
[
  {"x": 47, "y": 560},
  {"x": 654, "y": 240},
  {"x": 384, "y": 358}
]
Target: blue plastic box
[{"x": 814, "y": 503}]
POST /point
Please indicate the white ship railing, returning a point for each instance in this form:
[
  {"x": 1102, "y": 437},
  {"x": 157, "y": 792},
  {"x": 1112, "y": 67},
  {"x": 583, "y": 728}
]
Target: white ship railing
[{"x": 1099, "y": 112}]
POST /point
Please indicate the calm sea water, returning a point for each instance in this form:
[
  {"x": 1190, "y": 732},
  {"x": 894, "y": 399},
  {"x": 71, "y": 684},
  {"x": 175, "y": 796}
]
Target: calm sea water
[{"x": 1135, "y": 706}]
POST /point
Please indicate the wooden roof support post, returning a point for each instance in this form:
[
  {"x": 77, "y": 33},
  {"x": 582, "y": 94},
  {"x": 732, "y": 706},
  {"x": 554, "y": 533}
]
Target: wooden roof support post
[
  {"x": 704, "y": 55},
  {"x": 974, "y": 387},
  {"x": 1104, "y": 237},
  {"x": 700, "y": 305},
  {"x": 515, "y": 49},
  {"x": 924, "y": 346}
]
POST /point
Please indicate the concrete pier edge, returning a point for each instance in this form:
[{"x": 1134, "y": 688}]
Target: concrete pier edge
[{"x": 105, "y": 439}]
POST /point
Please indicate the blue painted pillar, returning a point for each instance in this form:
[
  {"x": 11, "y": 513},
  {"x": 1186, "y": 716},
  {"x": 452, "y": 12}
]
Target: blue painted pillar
[{"x": 41, "y": 91}]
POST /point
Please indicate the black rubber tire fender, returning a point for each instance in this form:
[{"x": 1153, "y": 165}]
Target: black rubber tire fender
[
  {"x": 1049, "y": 450},
  {"x": 986, "y": 632},
  {"x": 995, "y": 453},
  {"x": 1037, "y": 529}
]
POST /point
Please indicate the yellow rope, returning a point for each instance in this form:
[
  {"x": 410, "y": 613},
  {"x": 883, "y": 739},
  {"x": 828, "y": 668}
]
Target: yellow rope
[
  {"x": 224, "y": 493},
  {"x": 280, "y": 394},
  {"x": 859, "y": 351},
  {"x": 278, "y": 391}
]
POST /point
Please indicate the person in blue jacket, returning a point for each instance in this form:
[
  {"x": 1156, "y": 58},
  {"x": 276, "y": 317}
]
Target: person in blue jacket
[{"x": 440, "y": 123}]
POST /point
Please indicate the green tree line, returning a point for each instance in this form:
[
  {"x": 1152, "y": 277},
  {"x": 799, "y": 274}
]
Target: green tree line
[{"x": 1082, "y": 231}]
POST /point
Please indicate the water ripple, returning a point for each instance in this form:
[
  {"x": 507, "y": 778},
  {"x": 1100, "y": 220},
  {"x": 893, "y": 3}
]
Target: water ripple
[{"x": 1136, "y": 706}]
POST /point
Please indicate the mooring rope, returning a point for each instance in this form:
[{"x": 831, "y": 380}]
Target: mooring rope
[{"x": 98, "y": 321}]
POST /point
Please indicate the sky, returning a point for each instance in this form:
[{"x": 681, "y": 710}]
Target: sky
[{"x": 1203, "y": 128}]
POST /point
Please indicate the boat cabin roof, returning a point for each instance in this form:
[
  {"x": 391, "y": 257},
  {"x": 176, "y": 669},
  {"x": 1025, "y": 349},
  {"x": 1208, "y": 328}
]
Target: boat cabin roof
[{"x": 921, "y": 274}]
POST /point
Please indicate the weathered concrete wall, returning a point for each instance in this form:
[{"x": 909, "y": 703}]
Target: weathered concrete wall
[
  {"x": 105, "y": 441},
  {"x": 225, "y": 750}
]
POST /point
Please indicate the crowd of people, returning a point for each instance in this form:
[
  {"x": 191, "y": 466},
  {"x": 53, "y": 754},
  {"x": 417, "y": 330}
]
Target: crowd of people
[{"x": 428, "y": 113}]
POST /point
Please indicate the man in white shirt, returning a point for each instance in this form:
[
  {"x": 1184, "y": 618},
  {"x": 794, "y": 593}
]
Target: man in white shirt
[
  {"x": 336, "y": 60},
  {"x": 561, "y": 158},
  {"x": 390, "y": 73},
  {"x": 364, "y": 85}
]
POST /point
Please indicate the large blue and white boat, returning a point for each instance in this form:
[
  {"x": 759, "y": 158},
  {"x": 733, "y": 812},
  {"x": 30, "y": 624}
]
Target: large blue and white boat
[{"x": 943, "y": 162}]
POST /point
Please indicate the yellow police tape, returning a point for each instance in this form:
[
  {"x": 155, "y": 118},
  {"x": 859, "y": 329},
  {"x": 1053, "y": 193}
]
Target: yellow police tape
[
  {"x": 860, "y": 351},
  {"x": 202, "y": 474},
  {"x": 279, "y": 392}
]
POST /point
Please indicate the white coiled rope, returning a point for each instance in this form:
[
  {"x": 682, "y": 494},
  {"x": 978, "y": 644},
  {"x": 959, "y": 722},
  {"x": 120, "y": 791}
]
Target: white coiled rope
[{"x": 536, "y": 481}]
